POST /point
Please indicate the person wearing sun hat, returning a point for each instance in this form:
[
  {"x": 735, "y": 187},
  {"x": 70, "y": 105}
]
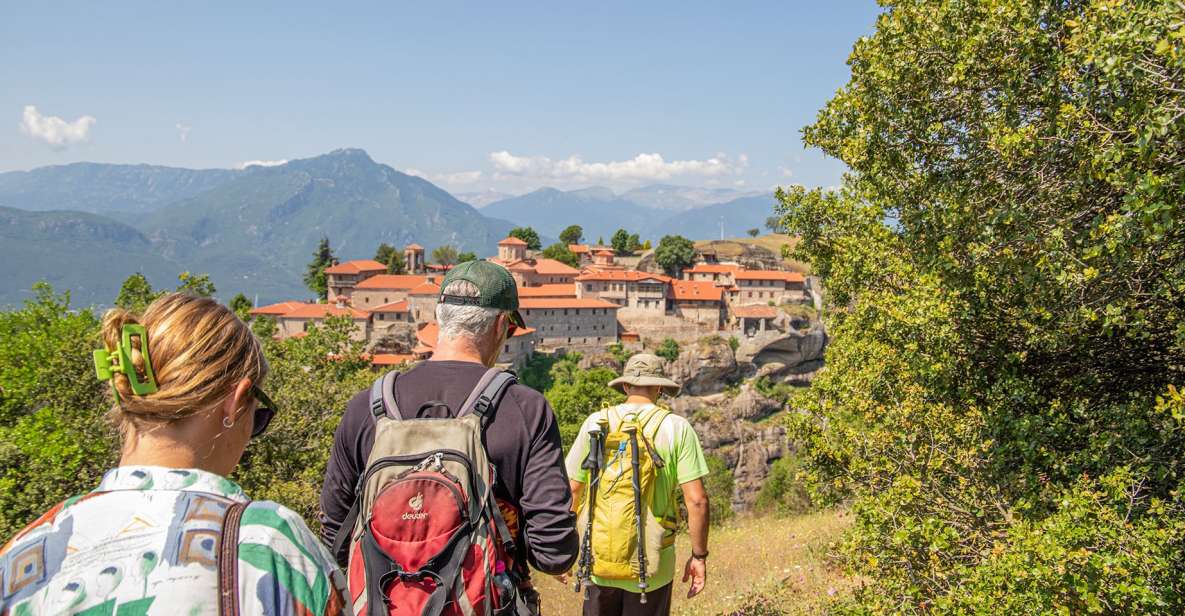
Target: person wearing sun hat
[{"x": 644, "y": 381}]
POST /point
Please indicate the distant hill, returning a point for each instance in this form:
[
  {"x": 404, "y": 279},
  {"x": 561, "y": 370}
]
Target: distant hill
[
  {"x": 253, "y": 232},
  {"x": 483, "y": 198},
  {"x": 106, "y": 189},
  {"x": 87, "y": 254},
  {"x": 738, "y": 216},
  {"x": 681, "y": 198},
  {"x": 550, "y": 210}
]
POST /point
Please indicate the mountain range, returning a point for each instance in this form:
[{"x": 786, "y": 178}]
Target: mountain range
[
  {"x": 651, "y": 211},
  {"x": 86, "y": 227}
]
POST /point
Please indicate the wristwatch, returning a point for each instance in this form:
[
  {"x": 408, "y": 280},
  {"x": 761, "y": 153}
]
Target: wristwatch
[{"x": 703, "y": 557}]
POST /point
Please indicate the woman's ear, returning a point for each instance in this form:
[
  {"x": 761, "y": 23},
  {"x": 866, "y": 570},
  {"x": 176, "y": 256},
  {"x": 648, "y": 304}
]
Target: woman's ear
[{"x": 232, "y": 409}]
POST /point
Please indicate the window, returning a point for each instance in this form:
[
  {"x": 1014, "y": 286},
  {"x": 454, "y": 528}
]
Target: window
[{"x": 507, "y": 349}]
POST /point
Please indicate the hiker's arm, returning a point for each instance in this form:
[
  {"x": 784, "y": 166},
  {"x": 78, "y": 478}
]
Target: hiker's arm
[
  {"x": 696, "y": 499},
  {"x": 549, "y": 526},
  {"x": 347, "y": 458},
  {"x": 577, "y": 488}
]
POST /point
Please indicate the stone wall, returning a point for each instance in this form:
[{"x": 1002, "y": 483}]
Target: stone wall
[{"x": 569, "y": 326}]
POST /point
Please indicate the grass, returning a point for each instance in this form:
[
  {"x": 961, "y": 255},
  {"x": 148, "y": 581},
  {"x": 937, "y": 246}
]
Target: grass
[{"x": 783, "y": 559}]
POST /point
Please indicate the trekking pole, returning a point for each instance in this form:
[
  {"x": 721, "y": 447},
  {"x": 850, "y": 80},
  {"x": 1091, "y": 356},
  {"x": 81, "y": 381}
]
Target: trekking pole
[
  {"x": 592, "y": 463},
  {"x": 632, "y": 431}
]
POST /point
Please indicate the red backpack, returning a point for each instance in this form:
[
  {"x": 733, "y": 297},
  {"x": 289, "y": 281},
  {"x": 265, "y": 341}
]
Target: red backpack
[{"x": 426, "y": 537}]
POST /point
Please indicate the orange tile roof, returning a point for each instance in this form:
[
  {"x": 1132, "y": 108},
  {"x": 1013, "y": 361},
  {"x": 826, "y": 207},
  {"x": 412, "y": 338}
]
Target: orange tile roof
[
  {"x": 520, "y": 266},
  {"x": 512, "y": 241},
  {"x": 392, "y": 281},
  {"x": 769, "y": 275},
  {"x": 318, "y": 311},
  {"x": 425, "y": 289},
  {"x": 621, "y": 275},
  {"x": 390, "y": 359},
  {"x": 711, "y": 268},
  {"x": 548, "y": 290},
  {"x": 701, "y": 290},
  {"x": 413, "y": 246},
  {"x": 437, "y": 267},
  {"x": 755, "y": 311},
  {"x": 551, "y": 267},
  {"x": 578, "y": 248},
  {"x": 356, "y": 267},
  {"x": 277, "y": 309},
  {"x": 604, "y": 253},
  {"x": 532, "y": 303},
  {"x": 399, "y": 306}
]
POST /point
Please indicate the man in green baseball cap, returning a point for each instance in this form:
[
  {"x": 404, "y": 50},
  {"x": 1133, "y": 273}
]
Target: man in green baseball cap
[
  {"x": 495, "y": 288},
  {"x": 476, "y": 313}
]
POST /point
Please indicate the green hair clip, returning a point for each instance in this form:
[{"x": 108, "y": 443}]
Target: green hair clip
[{"x": 120, "y": 360}]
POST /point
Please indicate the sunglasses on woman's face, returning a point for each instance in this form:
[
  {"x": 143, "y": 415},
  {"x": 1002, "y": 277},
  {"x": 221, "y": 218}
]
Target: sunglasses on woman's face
[{"x": 264, "y": 412}]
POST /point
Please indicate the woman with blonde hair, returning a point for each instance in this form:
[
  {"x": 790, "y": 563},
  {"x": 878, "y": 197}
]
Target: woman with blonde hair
[{"x": 166, "y": 532}]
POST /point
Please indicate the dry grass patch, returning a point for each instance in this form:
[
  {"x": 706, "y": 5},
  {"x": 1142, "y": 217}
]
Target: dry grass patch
[{"x": 784, "y": 559}]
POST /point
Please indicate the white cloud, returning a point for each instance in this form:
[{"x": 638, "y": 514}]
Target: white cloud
[
  {"x": 641, "y": 168},
  {"x": 183, "y": 132},
  {"x": 260, "y": 163},
  {"x": 786, "y": 172},
  {"x": 53, "y": 130}
]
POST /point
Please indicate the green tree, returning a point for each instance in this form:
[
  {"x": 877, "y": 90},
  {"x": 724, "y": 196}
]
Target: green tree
[
  {"x": 668, "y": 349},
  {"x": 241, "y": 306},
  {"x": 996, "y": 404},
  {"x": 753, "y": 232},
  {"x": 392, "y": 257},
  {"x": 383, "y": 253},
  {"x": 601, "y": 240},
  {"x": 572, "y": 234},
  {"x": 195, "y": 284},
  {"x": 578, "y": 394},
  {"x": 466, "y": 256},
  {"x": 774, "y": 224},
  {"x": 674, "y": 254},
  {"x": 646, "y": 245},
  {"x": 135, "y": 293},
  {"x": 444, "y": 255},
  {"x": 620, "y": 242},
  {"x": 528, "y": 235},
  {"x": 635, "y": 244},
  {"x": 54, "y": 441},
  {"x": 314, "y": 277},
  {"x": 559, "y": 251}
]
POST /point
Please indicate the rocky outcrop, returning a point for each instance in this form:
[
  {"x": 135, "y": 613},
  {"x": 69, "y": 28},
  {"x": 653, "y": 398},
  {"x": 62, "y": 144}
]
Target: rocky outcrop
[
  {"x": 783, "y": 356},
  {"x": 396, "y": 337},
  {"x": 739, "y": 429},
  {"x": 704, "y": 367}
]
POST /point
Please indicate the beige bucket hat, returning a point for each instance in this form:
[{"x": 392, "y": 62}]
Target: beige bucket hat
[{"x": 643, "y": 370}]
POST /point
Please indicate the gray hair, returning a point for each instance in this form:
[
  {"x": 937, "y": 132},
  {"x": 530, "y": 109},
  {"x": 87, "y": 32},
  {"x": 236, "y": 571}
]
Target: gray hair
[{"x": 455, "y": 321}]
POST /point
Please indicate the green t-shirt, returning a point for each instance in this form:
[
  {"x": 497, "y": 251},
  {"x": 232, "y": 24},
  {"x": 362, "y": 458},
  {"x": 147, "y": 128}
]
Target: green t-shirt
[{"x": 678, "y": 445}]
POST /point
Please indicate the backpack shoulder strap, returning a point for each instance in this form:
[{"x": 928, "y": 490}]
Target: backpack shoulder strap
[
  {"x": 228, "y": 560},
  {"x": 487, "y": 394},
  {"x": 652, "y": 420},
  {"x": 382, "y": 397}
]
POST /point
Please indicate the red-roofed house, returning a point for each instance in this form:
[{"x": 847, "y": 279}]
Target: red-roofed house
[
  {"x": 719, "y": 273},
  {"x": 293, "y": 318},
  {"x": 548, "y": 291},
  {"x": 571, "y": 321},
  {"x": 754, "y": 318},
  {"x": 757, "y": 286},
  {"x": 701, "y": 301},
  {"x": 639, "y": 291},
  {"x": 385, "y": 288},
  {"x": 423, "y": 302},
  {"x": 343, "y": 277},
  {"x": 533, "y": 271}
]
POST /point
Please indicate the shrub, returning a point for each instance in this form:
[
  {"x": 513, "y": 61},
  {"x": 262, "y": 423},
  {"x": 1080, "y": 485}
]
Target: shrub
[
  {"x": 719, "y": 486},
  {"x": 783, "y": 492},
  {"x": 668, "y": 350}
]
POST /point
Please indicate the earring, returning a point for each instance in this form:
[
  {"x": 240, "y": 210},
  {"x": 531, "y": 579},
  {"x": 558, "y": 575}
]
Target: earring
[{"x": 227, "y": 422}]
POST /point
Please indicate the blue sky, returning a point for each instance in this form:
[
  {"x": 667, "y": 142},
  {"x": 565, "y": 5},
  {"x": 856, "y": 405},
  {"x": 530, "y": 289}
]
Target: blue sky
[{"x": 474, "y": 96}]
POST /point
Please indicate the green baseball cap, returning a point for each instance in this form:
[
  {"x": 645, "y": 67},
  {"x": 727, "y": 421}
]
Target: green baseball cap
[{"x": 495, "y": 288}]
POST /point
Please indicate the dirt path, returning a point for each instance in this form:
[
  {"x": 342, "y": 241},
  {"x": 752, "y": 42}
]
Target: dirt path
[{"x": 753, "y": 555}]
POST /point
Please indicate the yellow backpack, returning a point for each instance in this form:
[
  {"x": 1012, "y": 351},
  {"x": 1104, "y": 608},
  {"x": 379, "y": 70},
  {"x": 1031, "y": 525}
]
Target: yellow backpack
[{"x": 623, "y": 538}]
